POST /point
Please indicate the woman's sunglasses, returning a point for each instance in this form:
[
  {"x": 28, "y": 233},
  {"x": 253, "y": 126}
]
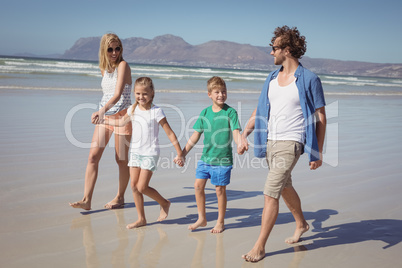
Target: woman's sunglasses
[{"x": 110, "y": 49}]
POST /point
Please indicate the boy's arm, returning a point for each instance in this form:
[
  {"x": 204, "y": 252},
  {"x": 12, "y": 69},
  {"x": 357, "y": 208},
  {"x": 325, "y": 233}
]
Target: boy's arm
[
  {"x": 192, "y": 141},
  {"x": 238, "y": 140},
  {"x": 237, "y": 137},
  {"x": 173, "y": 139}
]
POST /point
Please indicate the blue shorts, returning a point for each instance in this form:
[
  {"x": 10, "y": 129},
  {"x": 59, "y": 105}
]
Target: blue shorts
[{"x": 219, "y": 175}]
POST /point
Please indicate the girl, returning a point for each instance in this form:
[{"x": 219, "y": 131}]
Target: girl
[
  {"x": 144, "y": 147},
  {"x": 116, "y": 87}
]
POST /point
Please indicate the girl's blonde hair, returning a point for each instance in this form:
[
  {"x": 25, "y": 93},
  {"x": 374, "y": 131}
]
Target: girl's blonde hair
[
  {"x": 104, "y": 63},
  {"x": 145, "y": 82}
]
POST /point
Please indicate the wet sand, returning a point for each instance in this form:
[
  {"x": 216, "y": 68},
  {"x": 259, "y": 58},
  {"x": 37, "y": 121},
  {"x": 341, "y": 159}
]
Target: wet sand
[{"x": 353, "y": 203}]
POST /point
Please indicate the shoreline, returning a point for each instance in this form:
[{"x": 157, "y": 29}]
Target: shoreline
[{"x": 177, "y": 91}]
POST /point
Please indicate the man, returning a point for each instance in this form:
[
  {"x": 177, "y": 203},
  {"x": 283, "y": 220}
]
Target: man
[{"x": 289, "y": 119}]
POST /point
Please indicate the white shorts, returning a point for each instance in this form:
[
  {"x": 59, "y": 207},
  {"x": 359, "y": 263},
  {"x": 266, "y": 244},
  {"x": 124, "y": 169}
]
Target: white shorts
[{"x": 143, "y": 161}]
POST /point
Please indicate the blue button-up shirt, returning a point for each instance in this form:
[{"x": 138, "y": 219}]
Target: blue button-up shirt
[{"x": 311, "y": 97}]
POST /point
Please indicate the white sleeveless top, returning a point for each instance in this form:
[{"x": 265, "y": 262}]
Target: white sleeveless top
[
  {"x": 286, "y": 121},
  {"x": 108, "y": 84}
]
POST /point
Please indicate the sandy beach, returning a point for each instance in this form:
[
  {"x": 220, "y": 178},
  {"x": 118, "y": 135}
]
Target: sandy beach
[{"x": 352, "y": 203}]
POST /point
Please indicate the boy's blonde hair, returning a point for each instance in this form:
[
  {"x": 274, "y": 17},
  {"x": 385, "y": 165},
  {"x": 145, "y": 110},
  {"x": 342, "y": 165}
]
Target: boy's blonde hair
[
  {"x": 145, "y": 82},
  {"x": 107, "y": 39},
  {"x": 215, "y": 82}
]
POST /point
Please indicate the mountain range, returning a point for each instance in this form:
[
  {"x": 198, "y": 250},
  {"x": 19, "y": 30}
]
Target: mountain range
[{"x": 173, "y": 50}]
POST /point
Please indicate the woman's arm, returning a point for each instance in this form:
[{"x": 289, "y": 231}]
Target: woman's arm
[{"x": 122, "y": 121}]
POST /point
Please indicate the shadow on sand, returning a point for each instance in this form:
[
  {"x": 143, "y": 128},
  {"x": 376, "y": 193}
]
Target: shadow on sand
[{"x": 388, "y": 231}]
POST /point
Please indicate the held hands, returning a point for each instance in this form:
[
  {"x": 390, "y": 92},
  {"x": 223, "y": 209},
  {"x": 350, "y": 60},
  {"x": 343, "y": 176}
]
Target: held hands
[
  {"x": 179, "y": 160},
  {"x": 242, "y": 146}
]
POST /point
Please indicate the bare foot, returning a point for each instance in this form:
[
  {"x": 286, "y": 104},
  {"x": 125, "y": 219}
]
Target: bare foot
[
  {"x": 219, "y": 228},
  {"x": 298, "y": 233},
  {"x": 254, "y": 255},
  {"x": 164, "y": 212},
  {"x": 81, "y": 204},
  {"x": 115, "y": 203},
  {"x": 198, "y": 223},
  {"x": 136, "y": 224}
]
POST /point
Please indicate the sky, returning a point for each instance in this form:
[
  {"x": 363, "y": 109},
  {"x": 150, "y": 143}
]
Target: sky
[{"x": 355, "y": 30}]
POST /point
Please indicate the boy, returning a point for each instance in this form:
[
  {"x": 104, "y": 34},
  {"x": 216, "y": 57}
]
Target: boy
[{"x": 216, "y": 122}]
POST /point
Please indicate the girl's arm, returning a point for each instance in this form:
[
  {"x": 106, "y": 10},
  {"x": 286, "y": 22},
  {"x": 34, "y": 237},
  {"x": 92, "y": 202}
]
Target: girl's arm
[
  {"x": 123, "y": 78},
  {"x": 173, "y": 139}
]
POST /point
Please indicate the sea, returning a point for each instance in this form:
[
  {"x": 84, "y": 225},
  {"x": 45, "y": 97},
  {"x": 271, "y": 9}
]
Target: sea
[
  {"x": 56, "y": 74},
  {"x": 358, "y": 108}
]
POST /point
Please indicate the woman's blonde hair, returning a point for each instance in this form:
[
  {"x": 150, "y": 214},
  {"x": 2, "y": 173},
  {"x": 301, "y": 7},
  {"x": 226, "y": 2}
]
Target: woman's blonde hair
[
  {"x": 145, "y": 82},
  {"x": 104, "y": 63}
]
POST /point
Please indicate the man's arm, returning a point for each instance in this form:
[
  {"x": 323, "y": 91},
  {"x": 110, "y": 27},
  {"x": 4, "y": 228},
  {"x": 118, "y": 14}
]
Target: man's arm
[{"x": 321, "y": 124}]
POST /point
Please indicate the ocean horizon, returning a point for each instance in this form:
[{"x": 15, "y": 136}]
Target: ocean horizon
[{"x": 57, "y": 74}]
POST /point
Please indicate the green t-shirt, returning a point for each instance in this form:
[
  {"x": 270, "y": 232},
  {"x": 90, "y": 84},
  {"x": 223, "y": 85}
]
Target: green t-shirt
[{"x": 217, "y": 129}]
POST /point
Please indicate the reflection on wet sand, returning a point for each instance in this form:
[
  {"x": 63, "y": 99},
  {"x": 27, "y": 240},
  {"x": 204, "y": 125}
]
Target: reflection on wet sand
[
  {"x": 198, "y": 254},
  {"x": 84, "y": 223},
  {"x": 118, "y": 255},
  {"x": 118, "y": 259},
  {"x": 300, "y": 252},
  {"x": 151, "y": 257},
  {"x": 141, "y": 255},
  {"x": 92, "y": 259},
  {"x": 197, "y": 258}
]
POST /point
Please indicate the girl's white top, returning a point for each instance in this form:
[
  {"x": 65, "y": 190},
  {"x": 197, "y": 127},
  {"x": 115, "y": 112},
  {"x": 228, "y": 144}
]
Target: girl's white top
[
  {"x": 108, "y": 84},
  {"x": 144, "y": 140}
]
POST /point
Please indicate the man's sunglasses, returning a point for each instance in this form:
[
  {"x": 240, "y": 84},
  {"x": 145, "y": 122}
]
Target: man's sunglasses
[{"x": 275, "y": 48}]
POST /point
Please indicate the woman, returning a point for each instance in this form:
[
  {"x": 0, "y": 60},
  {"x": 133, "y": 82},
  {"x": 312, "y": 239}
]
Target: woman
[{"x": 116, "y": 87}]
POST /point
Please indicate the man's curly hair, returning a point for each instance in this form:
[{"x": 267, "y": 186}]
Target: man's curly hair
[{"x": 290, "y": 38}]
